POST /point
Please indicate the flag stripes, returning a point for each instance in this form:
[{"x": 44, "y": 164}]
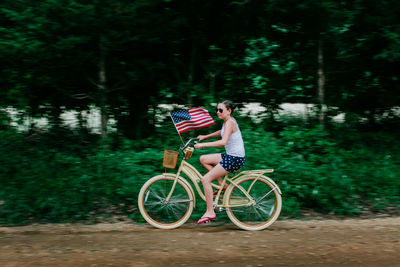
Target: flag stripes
[{"x": 193, "y": 118}]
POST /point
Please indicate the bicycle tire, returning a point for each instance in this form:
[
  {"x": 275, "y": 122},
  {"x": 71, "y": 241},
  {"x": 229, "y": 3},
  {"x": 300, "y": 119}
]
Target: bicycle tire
[
  {"x": 165, "y": 215},
  {"x": 258, "y": 216}
]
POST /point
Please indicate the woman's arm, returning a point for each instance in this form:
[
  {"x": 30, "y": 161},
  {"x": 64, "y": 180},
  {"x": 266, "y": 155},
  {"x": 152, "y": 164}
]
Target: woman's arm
[
  {"x": 229, "y": 126},
  {"x": 211, "y": 135}
]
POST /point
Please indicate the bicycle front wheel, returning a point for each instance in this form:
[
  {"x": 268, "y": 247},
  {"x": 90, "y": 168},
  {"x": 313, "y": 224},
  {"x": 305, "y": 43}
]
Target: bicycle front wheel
[
  {"x": 256, "y": 209},
  {"x": 159, "y": 212}
]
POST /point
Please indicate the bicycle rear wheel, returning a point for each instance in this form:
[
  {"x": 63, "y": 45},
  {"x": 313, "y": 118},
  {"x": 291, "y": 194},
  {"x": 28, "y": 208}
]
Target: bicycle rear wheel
[
  {"x": 161, "y": 214},
  {"x": 262, "y": 213}
]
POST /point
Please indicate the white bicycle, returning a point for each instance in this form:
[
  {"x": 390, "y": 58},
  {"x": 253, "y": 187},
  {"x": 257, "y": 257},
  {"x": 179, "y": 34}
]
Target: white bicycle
[{"x": 252, "y": 200}]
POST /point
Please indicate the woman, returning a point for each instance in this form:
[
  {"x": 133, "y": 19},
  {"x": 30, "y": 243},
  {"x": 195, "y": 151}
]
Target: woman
[{"x": 220, "y": 164}]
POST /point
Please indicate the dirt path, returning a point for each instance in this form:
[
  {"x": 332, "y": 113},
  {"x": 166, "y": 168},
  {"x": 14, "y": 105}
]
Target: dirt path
[{"x": 353, "y": 242}]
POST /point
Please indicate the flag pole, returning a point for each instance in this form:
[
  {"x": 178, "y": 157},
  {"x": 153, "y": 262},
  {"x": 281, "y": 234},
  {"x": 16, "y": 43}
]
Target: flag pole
[{"x": 176, "y": 129}]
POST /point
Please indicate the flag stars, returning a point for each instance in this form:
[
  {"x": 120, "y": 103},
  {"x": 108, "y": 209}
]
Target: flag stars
[{"x": 193, "y": 118}]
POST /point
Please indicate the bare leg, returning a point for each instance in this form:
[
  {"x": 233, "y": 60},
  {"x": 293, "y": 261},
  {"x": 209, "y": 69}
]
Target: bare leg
[
  {"x": 213, "y": 174},
  {"x": 210, "y": 161}
]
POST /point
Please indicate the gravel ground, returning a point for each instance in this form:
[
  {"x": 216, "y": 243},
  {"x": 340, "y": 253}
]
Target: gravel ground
[{"x": 348, "y": 242}]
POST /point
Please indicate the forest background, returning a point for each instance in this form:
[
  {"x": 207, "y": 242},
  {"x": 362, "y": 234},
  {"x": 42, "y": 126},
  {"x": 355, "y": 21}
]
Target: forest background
[{"x": 132, "y": 59}]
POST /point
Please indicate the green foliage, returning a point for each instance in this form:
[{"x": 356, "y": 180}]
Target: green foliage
[
  {"x": 318, "y": 170},
  {"x": 127, "y": 57},
  {"x": 315, "y": 169},
  {"x": 49, "y": 184}
]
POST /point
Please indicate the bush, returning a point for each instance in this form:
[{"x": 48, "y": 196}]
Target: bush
[
  {"x": 48, "y": 180},
  {"x": 48, "y": 184}
]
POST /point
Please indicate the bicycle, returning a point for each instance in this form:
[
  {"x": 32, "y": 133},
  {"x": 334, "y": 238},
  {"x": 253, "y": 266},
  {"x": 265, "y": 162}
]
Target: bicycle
[{"x": 252, "y": 200}]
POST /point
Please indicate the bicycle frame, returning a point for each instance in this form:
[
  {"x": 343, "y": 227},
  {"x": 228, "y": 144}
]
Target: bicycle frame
[
  {"x": 252, "y": 200},
  {"x": 192, "y": 173}
]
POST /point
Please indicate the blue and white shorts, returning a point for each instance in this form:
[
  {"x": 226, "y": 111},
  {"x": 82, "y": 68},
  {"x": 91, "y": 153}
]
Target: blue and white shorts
[{"x": 232, "y": 163}]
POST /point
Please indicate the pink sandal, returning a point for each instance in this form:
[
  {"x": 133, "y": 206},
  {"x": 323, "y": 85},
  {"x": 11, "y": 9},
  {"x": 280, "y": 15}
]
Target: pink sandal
[
  {"x": 217, "y": 190},
  {"x": 206, "y": 219}
]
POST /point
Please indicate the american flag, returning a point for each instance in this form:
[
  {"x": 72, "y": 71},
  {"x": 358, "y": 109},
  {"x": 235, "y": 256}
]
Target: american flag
[{"x": 193, "y": 118}]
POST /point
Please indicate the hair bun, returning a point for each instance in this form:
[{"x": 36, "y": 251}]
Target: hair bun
[{"x": 229, "y": 105}]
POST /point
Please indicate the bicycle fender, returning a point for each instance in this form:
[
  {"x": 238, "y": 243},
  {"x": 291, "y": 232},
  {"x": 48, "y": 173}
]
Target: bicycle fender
[
  {"x": 275, "y": 185},
  {"x": 266, "y": 177}
]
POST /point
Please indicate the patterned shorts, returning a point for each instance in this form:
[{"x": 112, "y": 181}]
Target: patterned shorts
[{"x": 232, "y": 163}]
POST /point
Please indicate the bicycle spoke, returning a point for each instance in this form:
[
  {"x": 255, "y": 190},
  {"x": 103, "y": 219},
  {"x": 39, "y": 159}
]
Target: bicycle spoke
[
  {"x": 152, "y": 204},
  {"x": 179, "y": 201},
  {"x": 155, "y": 195},
  {"x": 166, "y": 212},
  {"x": 174, "y": 211},
  {"x": 258, "y": 213},
  {"x": 251, "y": 214}
]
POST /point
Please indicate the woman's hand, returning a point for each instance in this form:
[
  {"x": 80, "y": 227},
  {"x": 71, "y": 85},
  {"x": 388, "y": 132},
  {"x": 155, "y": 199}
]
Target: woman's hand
[
  {"x": 201, "y": 137},
  {"x": 198, "y": 146}
]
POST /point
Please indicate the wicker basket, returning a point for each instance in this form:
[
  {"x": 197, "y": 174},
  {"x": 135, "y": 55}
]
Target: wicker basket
[{"x": 170, "y": 158}]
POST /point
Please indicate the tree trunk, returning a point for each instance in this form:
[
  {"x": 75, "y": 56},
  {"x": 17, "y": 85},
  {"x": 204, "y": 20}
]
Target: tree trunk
[
  {"x": 137, "y": 122},
  {"x": 321, "y": 85},
  {"x": 103, "y": 91},
  {"x": 55, "y": 119},
  {"x": 212, "y": 76},
  {"x": 190, "y": 77},
  {"x": 82, "y": 121}
]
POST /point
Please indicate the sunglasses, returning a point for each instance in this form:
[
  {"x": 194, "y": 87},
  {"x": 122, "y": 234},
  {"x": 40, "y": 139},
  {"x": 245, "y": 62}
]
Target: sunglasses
[{"x": 219, "y": 110}]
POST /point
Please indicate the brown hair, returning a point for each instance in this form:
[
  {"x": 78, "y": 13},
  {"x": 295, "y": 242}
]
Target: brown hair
[{"x": 229, "y": 105}]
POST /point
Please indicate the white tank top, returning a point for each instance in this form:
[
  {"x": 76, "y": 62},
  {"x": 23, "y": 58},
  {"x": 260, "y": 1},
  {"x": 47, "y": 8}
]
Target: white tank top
[{"x": 235, "y": 146}]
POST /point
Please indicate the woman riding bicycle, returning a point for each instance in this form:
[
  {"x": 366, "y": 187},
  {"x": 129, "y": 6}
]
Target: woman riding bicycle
[{"x": 220, "y": 164}]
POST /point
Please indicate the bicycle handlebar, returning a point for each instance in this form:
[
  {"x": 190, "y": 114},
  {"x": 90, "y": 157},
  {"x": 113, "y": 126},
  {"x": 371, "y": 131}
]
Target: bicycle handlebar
[{"x": 188, "y": 143}]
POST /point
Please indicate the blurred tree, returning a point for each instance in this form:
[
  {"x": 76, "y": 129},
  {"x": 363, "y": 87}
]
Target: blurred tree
[
  {"x": 367, "y": 62},
  {"x": 126, "y": 57},
  {"x": 289, "y": 60},
  {"x": 64, "y": 50},
  {"x": 45, "y": 57}
]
